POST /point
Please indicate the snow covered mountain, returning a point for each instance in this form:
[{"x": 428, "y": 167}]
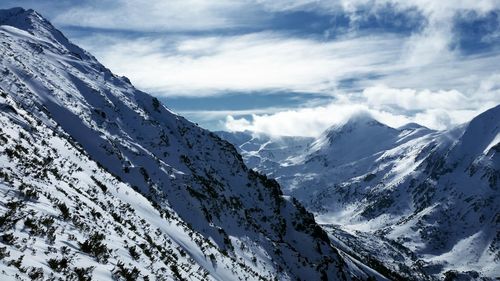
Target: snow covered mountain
[
  {"x": 409, "y": 199},
  {"x": 100, "y": 181}
]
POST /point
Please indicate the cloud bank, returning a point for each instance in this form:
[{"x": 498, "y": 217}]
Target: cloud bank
[
  {"x": 426, "y": 61},
  {"x": 213, "y": 65},
  {"x": 394, "y": 107},
  {"x": 156, "y": 16}
]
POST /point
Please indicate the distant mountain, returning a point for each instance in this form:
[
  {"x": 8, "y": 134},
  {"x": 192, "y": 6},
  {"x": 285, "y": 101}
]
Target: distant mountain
[
  {"x": 358, "y": 138},
  {"x": 99, "y": 181},
  {"x": 263, "y": 152},
  {"x": 428, "y": 196}
]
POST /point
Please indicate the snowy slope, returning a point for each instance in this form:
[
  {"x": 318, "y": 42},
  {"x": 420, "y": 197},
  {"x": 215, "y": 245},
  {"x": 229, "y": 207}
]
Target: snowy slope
[
  {"x": 265, "y": 153},
  {"x": 435, "y": 195},
  {"x": 101, "y": 180}
]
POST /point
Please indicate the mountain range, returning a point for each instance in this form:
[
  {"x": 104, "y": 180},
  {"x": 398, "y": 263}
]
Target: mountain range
[{"x": 424, "y": 204}]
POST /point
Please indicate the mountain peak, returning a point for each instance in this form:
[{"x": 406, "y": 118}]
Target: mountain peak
[
  {"x": 32, "y": 22},
  {"x": 411, "y": 126},
  {"x": 361, "y": 118},
  {"x": 361, "y": 121},
  {"x": 27, "y": 20},
  {"x": 358, "y": 137}
]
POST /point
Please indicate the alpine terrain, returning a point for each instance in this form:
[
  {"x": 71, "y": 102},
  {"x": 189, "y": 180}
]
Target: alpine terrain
[
  {"x": 414, "y": 203},
  {"x": 100, "y": 181}
]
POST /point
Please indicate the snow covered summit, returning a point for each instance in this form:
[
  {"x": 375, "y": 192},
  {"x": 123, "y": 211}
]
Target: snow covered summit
[{"x": 359, "y": 137}]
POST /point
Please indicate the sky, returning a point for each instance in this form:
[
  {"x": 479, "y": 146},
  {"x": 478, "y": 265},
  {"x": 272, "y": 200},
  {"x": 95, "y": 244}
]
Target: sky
[{"x": 296, "y": 67}]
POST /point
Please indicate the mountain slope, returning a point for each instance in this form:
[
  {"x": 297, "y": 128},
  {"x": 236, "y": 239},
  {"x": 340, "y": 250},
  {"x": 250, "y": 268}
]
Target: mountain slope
[
  {"x": 263, "y": 152},
  {"x": 100, "y": 179}
]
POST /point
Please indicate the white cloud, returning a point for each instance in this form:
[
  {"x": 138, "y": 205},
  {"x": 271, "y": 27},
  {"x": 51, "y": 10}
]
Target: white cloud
[
  {"x": 394, "y": 107},
  {"x": 399, "y": 79},
  {"x": 176, "y": 15},
  {"x": 409, "y": 99},
  {"x": 269, "y": 61},
  {"x": 431, "y": 43},
  {"x": 201, "y": 66},
  {"x": 431, "y": 8},
  {"x": 313, "y": 121},
  {"x": 298, "y": 122},
  {"x": 442, "y": 92},
  {"x": 157, "y": 15}
]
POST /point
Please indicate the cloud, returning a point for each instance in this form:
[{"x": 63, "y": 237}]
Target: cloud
[
  {"x": 437, "y": 91},
  {"x": 189, "y": 15},
  {"x": 431, "y": 8},
  {"x": 486, "y": 94},
  {"x": 205, "y": 65},
  {"x": 211, "y": 65},
  {"x": 217, "y": 114},
  {"x": 155, "y": 15},
  {"x": 194, "y": 48},
  {"x": 313, "y": 121},
  {"x": 433, "y": 41},
  {"x": 298, "y": 122},
  {"x": 409, "y": 99},
  {"x": 394, "y": 107},
  {"x": 197, "y": 64}
]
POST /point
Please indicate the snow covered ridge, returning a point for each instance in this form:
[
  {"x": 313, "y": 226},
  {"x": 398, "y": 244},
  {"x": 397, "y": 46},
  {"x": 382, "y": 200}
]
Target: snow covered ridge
[
  {"x": 417, "y": 201},
  {"x": 99, "y": 181}
]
